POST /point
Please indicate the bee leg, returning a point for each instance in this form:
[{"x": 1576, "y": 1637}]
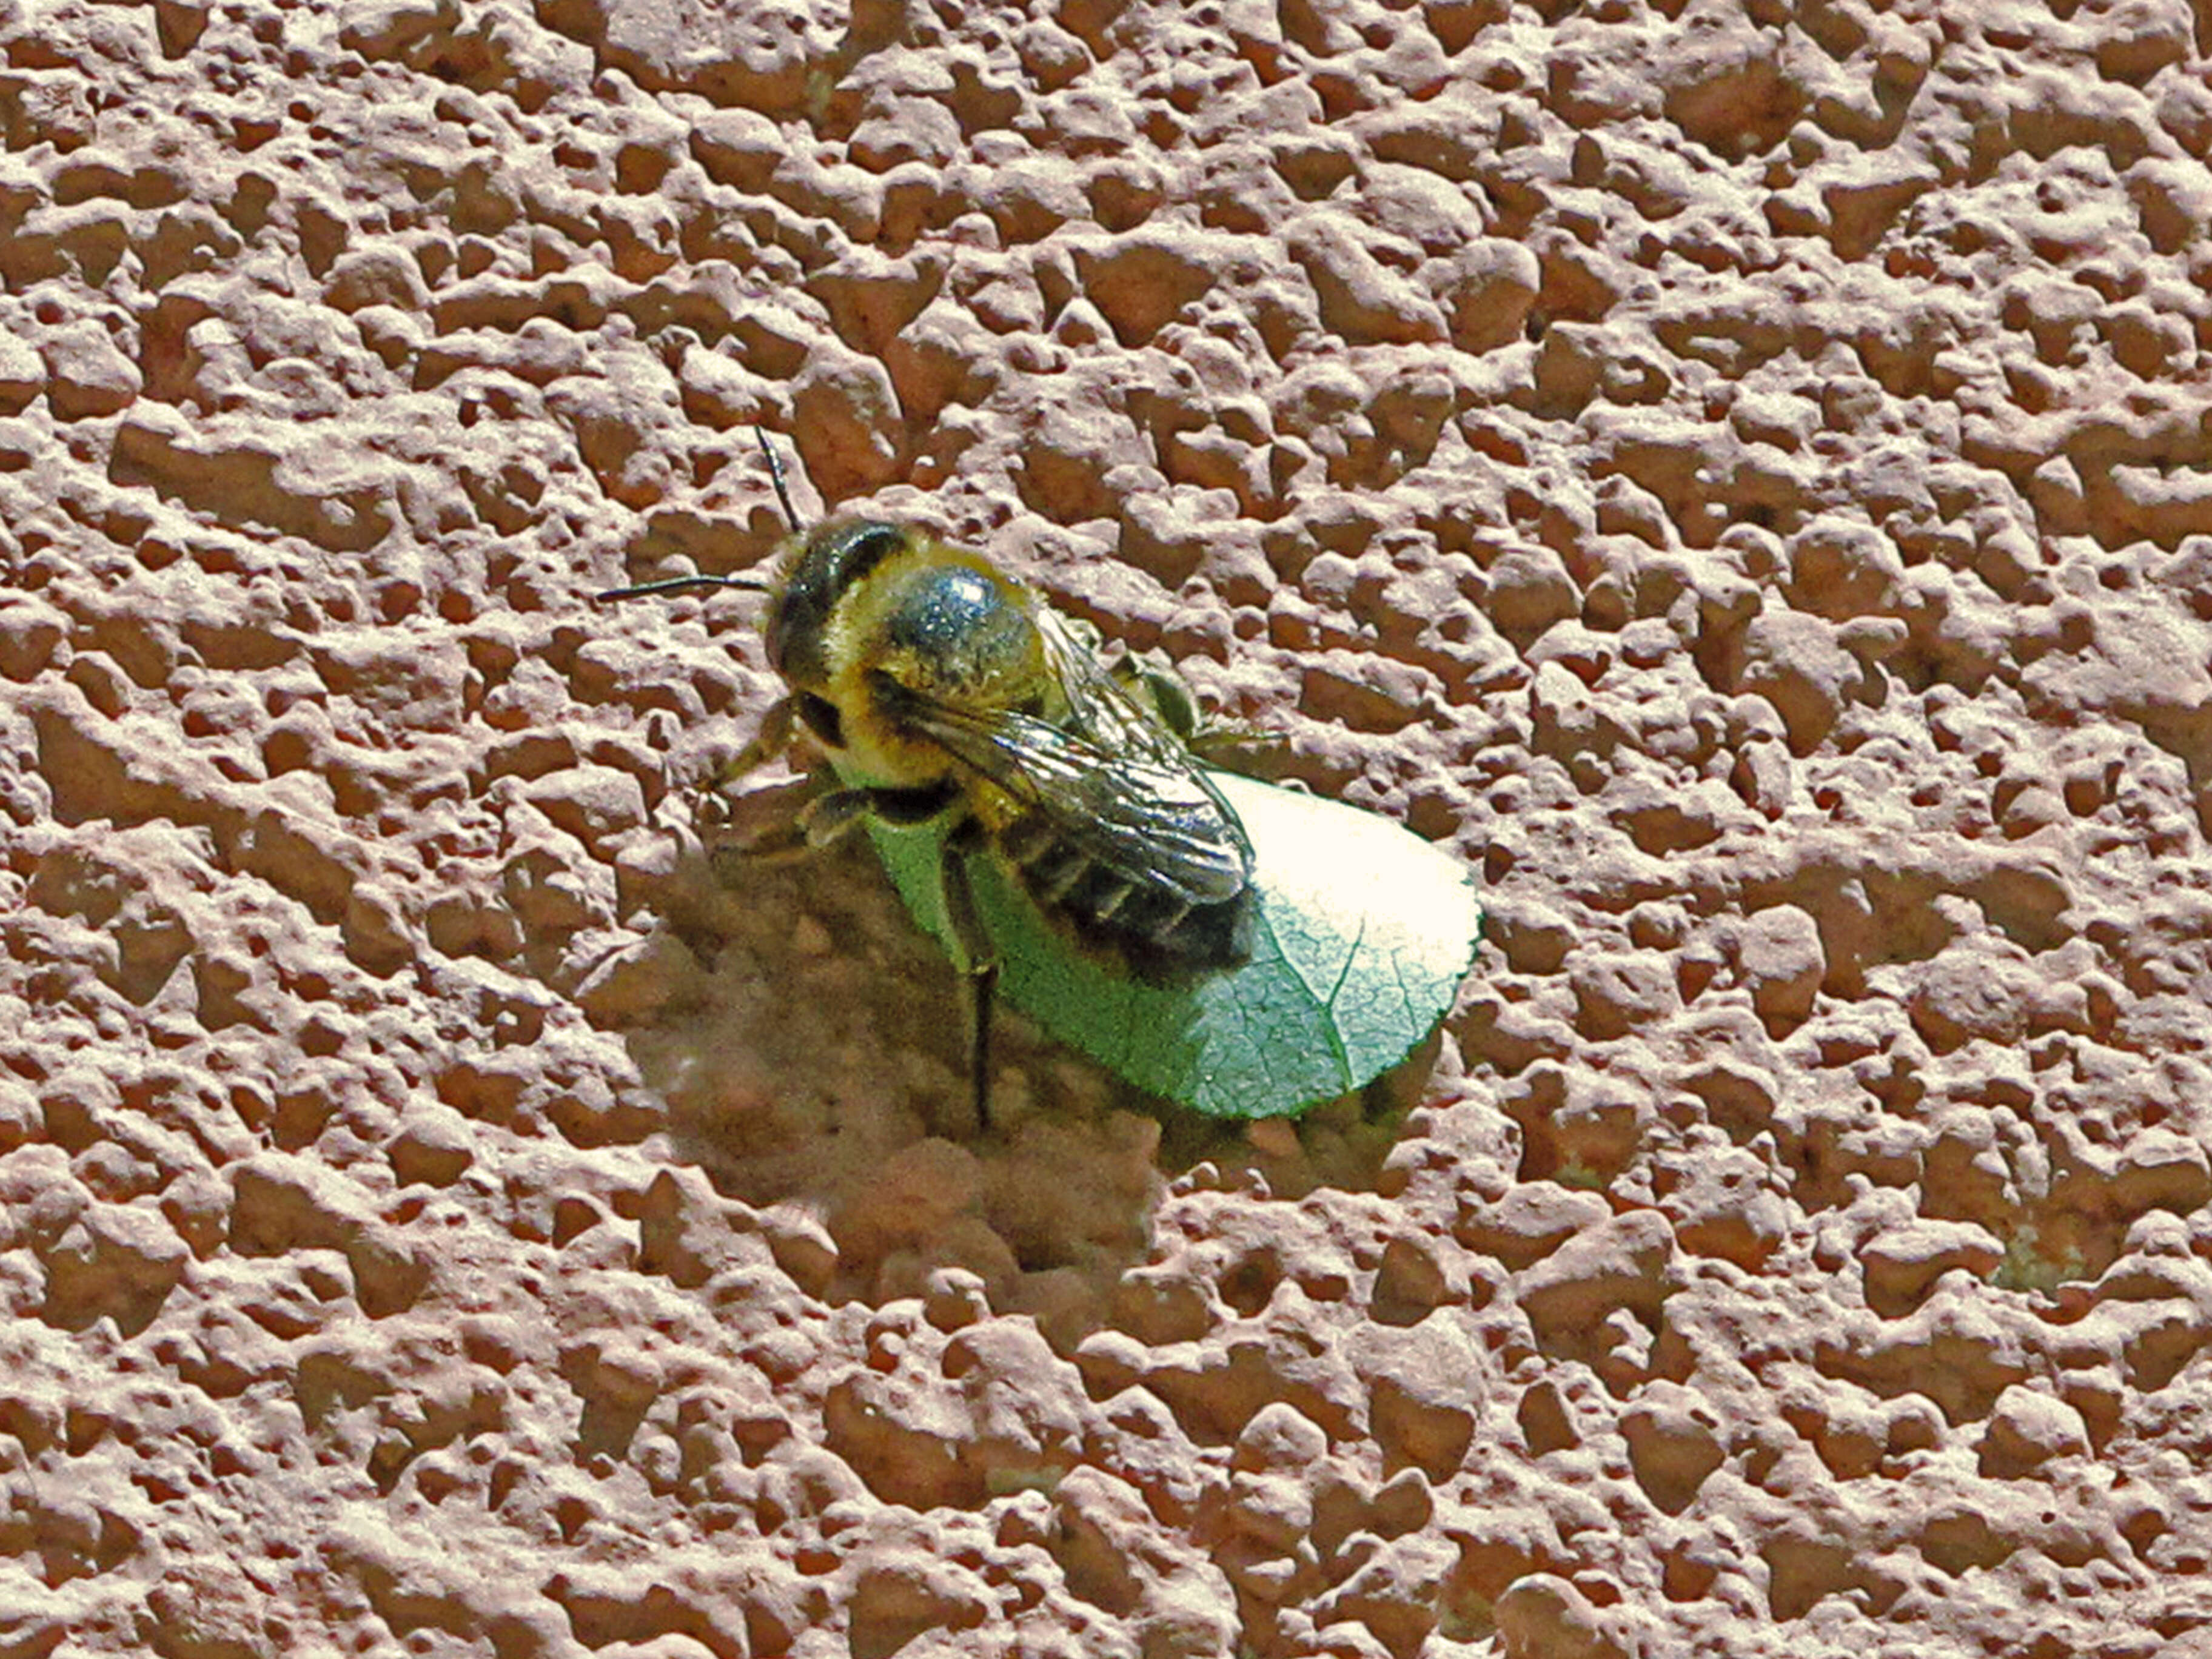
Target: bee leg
[
  {"x": 1219, "y": 742},
  {"x": 826, "y": 819},
  {"x": 774, "y": 826},
  {"x": 830, "y": 817},
  {"x": 1157, "y": 687},
  {"x": 771, "y": 740},
  {"x": 784, "y": 843},
  {"x": 978, "y": 964},
  {"x": 1162, "y": 690}
]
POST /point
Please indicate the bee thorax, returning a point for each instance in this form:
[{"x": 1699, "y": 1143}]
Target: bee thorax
[{"x": 956, "y": 632}]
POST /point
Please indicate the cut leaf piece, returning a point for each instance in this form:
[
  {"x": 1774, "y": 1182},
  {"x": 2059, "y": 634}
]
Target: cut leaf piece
[{"x": 1361, "y": 932}]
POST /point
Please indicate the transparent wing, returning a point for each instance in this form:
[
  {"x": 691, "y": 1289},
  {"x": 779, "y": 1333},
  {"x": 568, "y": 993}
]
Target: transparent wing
[{"x": 1111, "y": 782}]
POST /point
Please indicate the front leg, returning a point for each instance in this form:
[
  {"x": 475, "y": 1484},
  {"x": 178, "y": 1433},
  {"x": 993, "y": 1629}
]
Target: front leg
[
  {"x": 771, "y": 740},
  {"x": 827, "y": 818}
]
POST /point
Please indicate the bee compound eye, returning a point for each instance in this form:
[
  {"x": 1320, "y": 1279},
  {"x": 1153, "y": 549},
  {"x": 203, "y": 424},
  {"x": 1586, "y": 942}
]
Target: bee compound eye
[
  {"x": 822, "y": 719},
  {"x": 872, "y": 544},
  {"x": 841, "y": 554}
]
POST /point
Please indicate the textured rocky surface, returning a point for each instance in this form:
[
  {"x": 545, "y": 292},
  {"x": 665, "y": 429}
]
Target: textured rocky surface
[{"x": 1738, "y": 473}]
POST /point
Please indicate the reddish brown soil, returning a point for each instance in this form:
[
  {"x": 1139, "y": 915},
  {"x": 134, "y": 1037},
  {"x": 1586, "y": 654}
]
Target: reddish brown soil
[{"x": 1738, "y": 473}]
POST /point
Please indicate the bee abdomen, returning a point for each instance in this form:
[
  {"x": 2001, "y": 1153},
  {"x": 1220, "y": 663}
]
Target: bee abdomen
[{"x": 1150, "y": 924}]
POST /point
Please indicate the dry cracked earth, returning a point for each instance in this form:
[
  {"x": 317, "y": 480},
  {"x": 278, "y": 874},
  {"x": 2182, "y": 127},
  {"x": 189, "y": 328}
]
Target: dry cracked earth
[{"x": 1738, "y": 472}]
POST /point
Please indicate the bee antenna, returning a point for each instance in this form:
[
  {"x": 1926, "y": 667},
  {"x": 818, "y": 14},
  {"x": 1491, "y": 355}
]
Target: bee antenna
[
  {"x": 683, "y": 585},
  {"x": 776, "y": 472}
]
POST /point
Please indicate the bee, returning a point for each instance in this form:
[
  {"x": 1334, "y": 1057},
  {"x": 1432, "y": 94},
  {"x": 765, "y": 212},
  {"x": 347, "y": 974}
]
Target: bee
[{"x": 942, "y": 691}]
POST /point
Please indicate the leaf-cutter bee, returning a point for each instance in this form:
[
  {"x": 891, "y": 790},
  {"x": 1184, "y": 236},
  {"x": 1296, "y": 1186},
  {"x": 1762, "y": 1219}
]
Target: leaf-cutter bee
[{"x": 943, "y": 689}]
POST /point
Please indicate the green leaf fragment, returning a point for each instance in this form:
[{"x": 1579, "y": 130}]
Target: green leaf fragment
[{"x": 1361, "y": 933}]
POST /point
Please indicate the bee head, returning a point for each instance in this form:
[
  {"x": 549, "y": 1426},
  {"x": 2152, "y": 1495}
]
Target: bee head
[{"x": 822, "y": 569}]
